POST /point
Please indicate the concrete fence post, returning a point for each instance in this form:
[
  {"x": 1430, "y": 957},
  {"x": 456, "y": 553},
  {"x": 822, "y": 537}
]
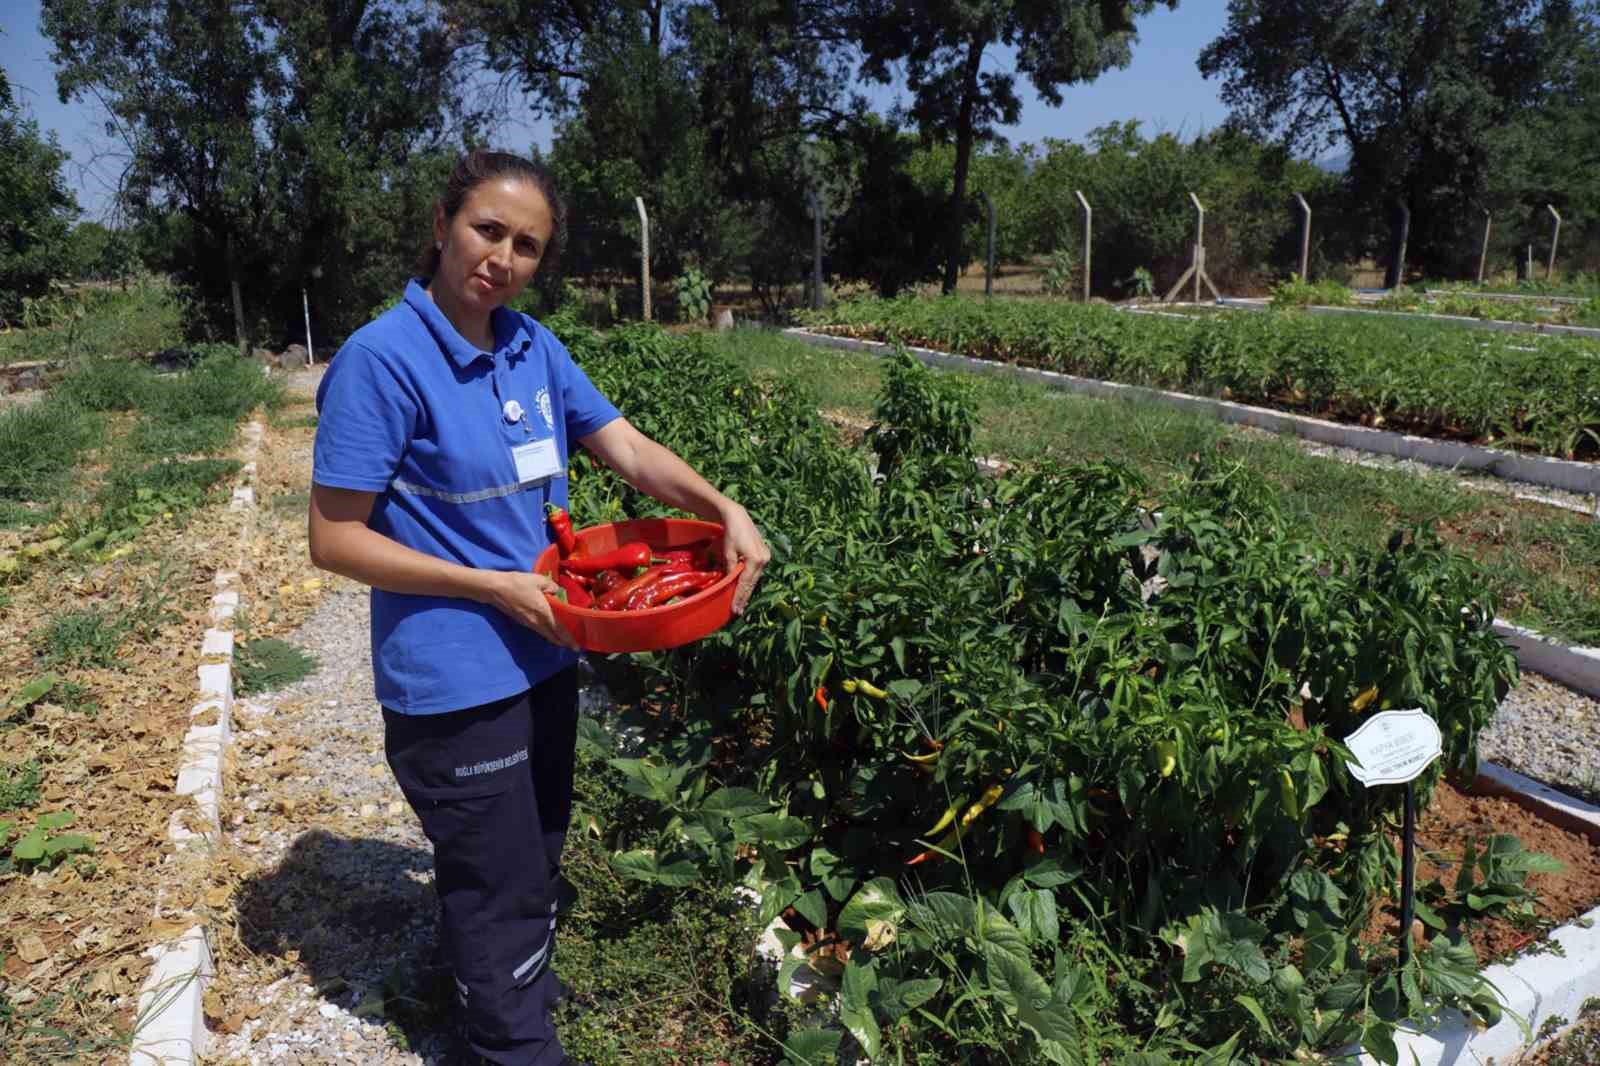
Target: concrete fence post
[
  {"x": 644, "y": 257},
  {"x": 1305, "y": 238},
  {"x": 1088, "y": 239},
  {"x": 1555, "y": 236}
]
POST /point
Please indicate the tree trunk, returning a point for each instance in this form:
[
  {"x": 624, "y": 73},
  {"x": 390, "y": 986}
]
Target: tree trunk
[
  {"x": 238, "y": 302},
  {"x": 964, "y": 139}
]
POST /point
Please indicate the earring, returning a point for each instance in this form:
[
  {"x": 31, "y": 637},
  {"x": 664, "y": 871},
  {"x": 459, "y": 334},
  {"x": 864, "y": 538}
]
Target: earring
[{"x": 438, "y": 246}]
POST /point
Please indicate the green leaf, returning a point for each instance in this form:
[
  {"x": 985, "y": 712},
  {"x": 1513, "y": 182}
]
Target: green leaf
[
  {"x": 813, "y": 908},
  {"x": 1035, "y": 912},
  {"x": 33, "y": 691},
  {"x": 56, "y": 820},
  {"x": 66, "y": 844},
  {"x": 875, "y": 901},
  {"x": 1249, "y": 1003},
  {"x": 643, "y": 865},
  {"x": 898, "y": 647},
  {"x": 811, "y": 1047},
  {"x": 855, "y": 1007},
  {"x": 777, "y": 830},
  {"x": 31, "y": 847},
  {"x": 906, "y": 688},
  {"x": 898, "y": 998},
  {"x": 1221, "y": 1055},
  {"x": 735, "y": 803}
]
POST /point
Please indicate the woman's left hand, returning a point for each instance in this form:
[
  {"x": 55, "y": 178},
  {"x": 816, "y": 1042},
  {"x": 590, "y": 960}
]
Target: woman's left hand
[{"x": 742, "y": 542}]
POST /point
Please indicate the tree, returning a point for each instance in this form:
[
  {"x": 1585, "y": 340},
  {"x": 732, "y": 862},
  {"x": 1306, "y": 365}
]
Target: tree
[
  {"x": 36, "y": 209},
  {"x": 942, "y": 44},
  {"x": 187, "y": 81},
  {"x": 1417, "y": 90}
]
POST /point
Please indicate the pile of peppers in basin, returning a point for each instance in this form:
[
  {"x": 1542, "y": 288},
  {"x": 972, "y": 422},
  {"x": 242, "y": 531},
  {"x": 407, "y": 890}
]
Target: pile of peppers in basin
[{"x": 630, "y": 577}]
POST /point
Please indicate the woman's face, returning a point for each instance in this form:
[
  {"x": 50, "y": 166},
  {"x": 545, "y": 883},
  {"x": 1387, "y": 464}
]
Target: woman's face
[{"x": 493, "y": 245}]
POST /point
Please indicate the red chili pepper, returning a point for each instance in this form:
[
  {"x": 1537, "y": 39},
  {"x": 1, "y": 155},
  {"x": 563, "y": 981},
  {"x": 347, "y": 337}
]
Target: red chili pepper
[
  {"x": 605, "y": 581},
  {"x": 618, "y": 597},
  {"x": 821, "y": 696},
  {"x": 628, "y": 557},
  {"x": 698, "y": 553},
  {"x": 561, "y": 522},
  {"x": 672, "y": 584},
  {"x": 577, "y": 595},
  {"x": 1035, "y": 841}
]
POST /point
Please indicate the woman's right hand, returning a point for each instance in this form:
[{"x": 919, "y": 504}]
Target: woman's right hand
[{"x": 523, "y": 597}]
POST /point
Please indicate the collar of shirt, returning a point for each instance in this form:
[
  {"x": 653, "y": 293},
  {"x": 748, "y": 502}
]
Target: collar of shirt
[{"x": 510, "y": 332}]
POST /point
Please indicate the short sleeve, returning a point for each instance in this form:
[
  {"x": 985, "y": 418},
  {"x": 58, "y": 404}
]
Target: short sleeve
[
  {"x": 587, "y": 410},
  {"x": 366, "y": 418}
]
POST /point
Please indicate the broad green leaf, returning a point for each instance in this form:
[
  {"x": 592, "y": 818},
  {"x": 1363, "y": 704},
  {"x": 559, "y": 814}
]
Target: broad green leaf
[
  {"x": 31, "y": 847},
  {"x": 811, "y": 1047},
  {"x": 735, "y": 803},
  {"x": 1035, "y": 912},
  {"x": 776, "y": 830},
  {"x": 33, "y": 691},
  {"x": 67, "y": 843},
  {"x": 813, "y": 908},
  {"x": 1221, "y": 1055},
  {"x": 56, "y": 820},
  {"x": 855, "y": 1006},
  {"x": 906, "y": 688},
  {"x": 899, "y": 998},
  {"x": 875, "y": 901}
]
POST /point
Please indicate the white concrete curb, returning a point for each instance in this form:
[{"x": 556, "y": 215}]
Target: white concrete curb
[
  {"x": 171, "y": 1029},
  {"x": 1495, "y": 325},
  {"x": 1538, "y": 470},
  {"x": 1576, "y": 667}
]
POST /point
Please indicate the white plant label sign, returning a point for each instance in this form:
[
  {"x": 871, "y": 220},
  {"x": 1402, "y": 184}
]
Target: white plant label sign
[{"x": 1393, "y": 747}]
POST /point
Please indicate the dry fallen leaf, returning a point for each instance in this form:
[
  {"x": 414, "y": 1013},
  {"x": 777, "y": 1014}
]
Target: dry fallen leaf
[{"x": 31, "y": 949}]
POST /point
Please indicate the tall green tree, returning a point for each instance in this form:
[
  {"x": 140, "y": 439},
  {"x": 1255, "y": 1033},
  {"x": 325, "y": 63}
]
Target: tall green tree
[
  {"x": 941, "y": 46},
  {"x": 1417, "y": 91},
  {"x": 187, "y": 80},
  {"x": 36, "y": 208}
]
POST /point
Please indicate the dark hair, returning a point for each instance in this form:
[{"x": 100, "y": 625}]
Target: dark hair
[{"x": 481, "y": 165}]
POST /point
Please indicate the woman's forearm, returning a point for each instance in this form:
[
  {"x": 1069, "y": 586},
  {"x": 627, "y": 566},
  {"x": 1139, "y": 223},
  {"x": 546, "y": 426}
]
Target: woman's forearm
[
  {"x": 359, "y": 553},
  {"x": 657, "y": 471}
]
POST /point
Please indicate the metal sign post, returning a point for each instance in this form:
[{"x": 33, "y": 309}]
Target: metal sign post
[
  {"x": 305, "y": 305},
  {"x": 1088, "y": 236},
  {"x": 988, "y": 263},
  {"x": 1550, "y": 267},
  {"x": 1393, "y": 748},
  {"x": 1483, "y": 252},
  {"x": 644, "y": 256},
  {"x": 1305, "y": 239}
]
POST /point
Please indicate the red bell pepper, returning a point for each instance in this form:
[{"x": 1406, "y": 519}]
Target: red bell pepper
[
  {"x": 630, "y": 556},
  {"x": 561, "y": 523},
  {"x": 683, "y": 582}
]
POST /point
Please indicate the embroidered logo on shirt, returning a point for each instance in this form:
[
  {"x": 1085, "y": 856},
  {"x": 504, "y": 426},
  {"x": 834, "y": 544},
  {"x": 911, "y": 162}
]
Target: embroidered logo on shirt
[
  {"x": 493, "y": 764},
  {"x": 543, "y": 400}
]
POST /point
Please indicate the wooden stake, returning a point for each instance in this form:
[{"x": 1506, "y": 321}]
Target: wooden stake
[
  {"x": 644, "y": 256},
  {"x": 1088, "y": 237}
]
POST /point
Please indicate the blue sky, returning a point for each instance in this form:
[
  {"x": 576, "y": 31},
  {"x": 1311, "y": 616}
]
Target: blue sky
[{"x": 1162, "y": 88}]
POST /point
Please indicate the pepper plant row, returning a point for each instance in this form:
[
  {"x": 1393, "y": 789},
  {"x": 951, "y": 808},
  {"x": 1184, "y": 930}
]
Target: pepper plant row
[
  {"x": 1442, "y": 382},
  {"x": 1051, "y": 766}
]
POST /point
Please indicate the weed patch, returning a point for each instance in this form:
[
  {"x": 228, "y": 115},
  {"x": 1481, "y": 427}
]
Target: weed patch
[
  {"x": 99, "y": 384},
  {"x": 92, "y": 637},
  {"x": 268, "y": 664},
  {"x": 40, "y": 443},
  {"x": 19, "y": 785}
]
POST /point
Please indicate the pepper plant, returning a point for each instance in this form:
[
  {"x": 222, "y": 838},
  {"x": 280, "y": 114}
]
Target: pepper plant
[{"x": 1047, "y": 766}]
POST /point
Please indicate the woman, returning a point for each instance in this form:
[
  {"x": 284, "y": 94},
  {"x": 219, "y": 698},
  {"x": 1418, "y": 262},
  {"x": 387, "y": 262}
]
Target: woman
[{"x": 445, "y": 427}]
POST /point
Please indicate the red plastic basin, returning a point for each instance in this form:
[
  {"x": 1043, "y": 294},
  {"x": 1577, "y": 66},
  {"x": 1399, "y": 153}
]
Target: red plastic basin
[{"x": 652, "y": 628}]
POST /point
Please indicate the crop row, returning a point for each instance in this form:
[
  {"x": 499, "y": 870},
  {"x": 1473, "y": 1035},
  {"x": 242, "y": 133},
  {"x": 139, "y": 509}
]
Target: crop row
[
  {"x": 1047, "y": 778},
  {"x": 1440, "y": 382}
]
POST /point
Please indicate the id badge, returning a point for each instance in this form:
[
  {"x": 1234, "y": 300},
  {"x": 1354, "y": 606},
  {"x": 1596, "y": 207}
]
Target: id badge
[{"x": 536, "y": 461}]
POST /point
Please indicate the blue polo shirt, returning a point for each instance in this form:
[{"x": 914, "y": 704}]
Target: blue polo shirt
[{"x": 411, "y": 411}]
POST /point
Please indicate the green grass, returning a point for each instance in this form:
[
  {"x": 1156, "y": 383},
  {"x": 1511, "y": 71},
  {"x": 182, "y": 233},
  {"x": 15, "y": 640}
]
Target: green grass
[
  {"x": 1541, "y": 565},
  {"x": 40, "y": 444},
  {"x": 19, "y": 785},
  {"x": 104, "y": 323},
  {"x": 269, "y": 664},
  {"x": 93, "y": 636}
]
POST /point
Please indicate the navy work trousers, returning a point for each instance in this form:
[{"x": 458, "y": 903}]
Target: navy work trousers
[{"x": 493, "y": 788}]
